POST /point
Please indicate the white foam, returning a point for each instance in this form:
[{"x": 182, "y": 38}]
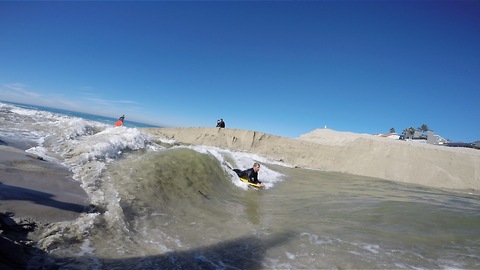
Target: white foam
[
  {"x": 242, "y": 161},
  {"x": 290, "y": 256}
]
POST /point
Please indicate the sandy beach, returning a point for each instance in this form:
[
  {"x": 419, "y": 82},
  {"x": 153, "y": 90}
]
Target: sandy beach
[{"x": 346, "y": 152}]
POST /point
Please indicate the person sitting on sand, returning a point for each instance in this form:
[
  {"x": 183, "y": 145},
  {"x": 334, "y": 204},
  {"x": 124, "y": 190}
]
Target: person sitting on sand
[
  {"x": 120, "y": 121},
  {"x": 220, "y": 123},
  {"x": 250, "y": 174}
]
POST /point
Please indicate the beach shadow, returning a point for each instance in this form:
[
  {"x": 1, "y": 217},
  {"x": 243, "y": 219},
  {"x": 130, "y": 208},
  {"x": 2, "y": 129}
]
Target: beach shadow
[
  {"x": 239, "y": 253},
  {"x": 9, "y": 192}
]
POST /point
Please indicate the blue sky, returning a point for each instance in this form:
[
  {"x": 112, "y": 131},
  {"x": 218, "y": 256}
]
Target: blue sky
[{"x": 284, "y": 68}]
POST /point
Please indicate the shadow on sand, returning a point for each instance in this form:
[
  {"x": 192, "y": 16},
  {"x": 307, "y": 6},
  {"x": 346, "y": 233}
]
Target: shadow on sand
[
  {"x": 9, "y": 192},
  {"x": 240, "y": 253}
]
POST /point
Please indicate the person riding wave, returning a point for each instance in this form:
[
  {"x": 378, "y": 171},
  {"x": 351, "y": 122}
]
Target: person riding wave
[
  {"x": 120, "y": 121},
  {"x": 250, "y": 174}
]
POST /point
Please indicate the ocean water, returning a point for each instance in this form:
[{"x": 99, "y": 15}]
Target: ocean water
[{"x": 159, "y": 204}]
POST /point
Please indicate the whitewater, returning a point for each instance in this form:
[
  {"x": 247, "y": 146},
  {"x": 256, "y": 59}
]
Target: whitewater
[{"x": 155, "y": 203}]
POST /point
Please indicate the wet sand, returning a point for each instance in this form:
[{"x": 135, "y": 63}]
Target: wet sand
[
  {"x": 33, "y": 194},
  {"x": 38, "y": 189}
]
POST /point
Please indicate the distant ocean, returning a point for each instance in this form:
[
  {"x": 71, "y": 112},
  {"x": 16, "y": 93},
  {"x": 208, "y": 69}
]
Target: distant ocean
[
  {"x": 163, "y": 205},
  {"x": 93, "y": 117}
]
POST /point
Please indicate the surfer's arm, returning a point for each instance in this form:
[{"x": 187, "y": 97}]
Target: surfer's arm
[{"x": 254, "y": 177}]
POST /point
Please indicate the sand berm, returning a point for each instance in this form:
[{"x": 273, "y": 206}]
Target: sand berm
[{"x": 346, "y": 152}]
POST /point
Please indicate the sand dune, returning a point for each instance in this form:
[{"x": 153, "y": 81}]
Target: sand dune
[{"x": 360, "y": 154}]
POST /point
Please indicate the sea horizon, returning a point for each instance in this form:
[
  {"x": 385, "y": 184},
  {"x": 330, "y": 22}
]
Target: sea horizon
[{"x": 89, "y": 116}]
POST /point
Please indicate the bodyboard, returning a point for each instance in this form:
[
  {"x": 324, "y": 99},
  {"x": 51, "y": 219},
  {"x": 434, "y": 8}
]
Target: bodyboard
[{"x": 251, "y": 184}]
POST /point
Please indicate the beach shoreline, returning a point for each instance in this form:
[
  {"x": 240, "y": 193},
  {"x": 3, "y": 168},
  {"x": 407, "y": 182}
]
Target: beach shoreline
[{"x": 35, "y": 192}]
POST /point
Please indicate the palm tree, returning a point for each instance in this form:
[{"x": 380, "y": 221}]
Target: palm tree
[
  {"x": 408, "y": 132},
  {"x": 411, "y": 131},
  {"x": 392, "y": 130},
  {"x": 424, "y": 128}
]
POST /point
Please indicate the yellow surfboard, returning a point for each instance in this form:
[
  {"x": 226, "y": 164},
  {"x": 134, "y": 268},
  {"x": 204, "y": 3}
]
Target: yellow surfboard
[{"x": 260, "y": 185}]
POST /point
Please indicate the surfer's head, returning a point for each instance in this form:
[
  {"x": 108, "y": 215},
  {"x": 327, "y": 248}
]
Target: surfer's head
[{"x": 256, "y": 166}]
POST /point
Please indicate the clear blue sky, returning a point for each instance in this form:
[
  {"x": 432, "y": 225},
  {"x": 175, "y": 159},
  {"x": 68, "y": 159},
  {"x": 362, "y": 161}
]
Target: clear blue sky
[{"x": 284, "y": 68}]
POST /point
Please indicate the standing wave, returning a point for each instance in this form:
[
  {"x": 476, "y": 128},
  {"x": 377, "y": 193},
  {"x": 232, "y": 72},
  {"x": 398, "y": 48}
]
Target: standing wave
[{"x": 172, "y": 178}]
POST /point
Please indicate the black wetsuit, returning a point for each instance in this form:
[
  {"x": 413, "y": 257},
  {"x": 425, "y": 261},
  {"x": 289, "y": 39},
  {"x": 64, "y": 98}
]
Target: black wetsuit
[{"x": 249, "y": 174}]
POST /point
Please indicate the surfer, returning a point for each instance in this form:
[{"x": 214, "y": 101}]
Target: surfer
[
  {"x": 120, "y": 121},
  {"x": 250, "y": 174}
]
